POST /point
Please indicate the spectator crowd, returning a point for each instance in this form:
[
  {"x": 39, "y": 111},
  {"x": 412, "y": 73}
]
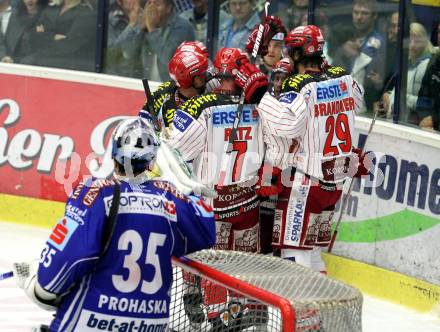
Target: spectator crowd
[{"x": 142, "y": 36}]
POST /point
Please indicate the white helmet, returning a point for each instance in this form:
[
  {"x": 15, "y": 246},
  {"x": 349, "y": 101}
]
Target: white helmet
[{"x": 134, "y": 144}]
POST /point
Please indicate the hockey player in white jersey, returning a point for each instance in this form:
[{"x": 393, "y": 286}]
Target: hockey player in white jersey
[
  {"x": 309, "y": 131},
  {"x": 200, "y": 132},
  {"x": 107, "y": 264},
  {"x": 269, "y": 194},
  {"x": 188, "y": 71}
]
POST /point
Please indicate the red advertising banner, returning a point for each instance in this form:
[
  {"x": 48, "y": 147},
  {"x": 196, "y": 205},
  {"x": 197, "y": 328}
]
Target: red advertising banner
[{"x": 53, "y": 132}]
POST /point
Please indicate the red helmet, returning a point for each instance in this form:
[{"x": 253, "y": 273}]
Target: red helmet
[
  {"x": 282, "y": 66},
  {"x": 228, "y": 60},
  {"x": 308, "y": 38},
  {"x": 193, "y": 46},
  {"x": 184, "y": 66}
]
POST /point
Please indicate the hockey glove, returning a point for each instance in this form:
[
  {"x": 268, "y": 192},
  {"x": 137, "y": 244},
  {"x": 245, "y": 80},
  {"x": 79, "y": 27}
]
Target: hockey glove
[
  {"x": 253, "y": 82},
  {"x": 270, "y": 27},
  {"x": 364, "y": 163},
  {"x": 26, "y": 279},
  {"x": 269, "y": 183}
]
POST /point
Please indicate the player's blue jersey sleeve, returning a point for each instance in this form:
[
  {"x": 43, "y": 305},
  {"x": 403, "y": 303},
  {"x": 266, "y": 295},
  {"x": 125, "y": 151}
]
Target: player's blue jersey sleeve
[
  {"x": 75, "y": 242},
  {"x": 195, "y": 226}
]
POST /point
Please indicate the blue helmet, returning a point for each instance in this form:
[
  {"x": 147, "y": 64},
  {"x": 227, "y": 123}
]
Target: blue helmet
[{"x": 135, "y": 144}]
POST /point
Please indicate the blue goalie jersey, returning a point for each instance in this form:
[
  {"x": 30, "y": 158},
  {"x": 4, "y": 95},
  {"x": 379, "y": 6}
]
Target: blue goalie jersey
[{"x": 128, "y": 287}]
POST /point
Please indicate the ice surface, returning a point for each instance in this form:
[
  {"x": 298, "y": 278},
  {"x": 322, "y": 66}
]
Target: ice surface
[{"x": 17, "y": 314}]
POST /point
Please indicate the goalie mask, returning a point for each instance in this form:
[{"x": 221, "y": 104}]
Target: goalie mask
[{"x": 134, "y": 145}]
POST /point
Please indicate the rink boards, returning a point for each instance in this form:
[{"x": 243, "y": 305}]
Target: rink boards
[{"x": 50, "y": 117}]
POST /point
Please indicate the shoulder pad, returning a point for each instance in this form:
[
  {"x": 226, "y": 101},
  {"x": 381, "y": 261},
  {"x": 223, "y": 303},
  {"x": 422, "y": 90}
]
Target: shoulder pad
[
  {"x": 169, "y": 187},
  {"x": 160, "y": 95},
  {"x": 197, "y": 104},
  {"x": 296, "y": 82},
  {"x": 166, "y": 87},
  {"x": 87, "y": 191},
  {"x": 95, "y": 188},
  {"x": 168, "y": 112},
  {"x": 335, "y": 72},
  {"x": 288, "y": 97}
]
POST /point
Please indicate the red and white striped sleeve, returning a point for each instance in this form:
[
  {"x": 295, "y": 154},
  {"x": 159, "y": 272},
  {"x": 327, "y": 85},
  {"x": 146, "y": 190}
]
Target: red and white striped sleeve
[
  {"x": 285, "y": 117},
  {"x": 188, "y": 135}
]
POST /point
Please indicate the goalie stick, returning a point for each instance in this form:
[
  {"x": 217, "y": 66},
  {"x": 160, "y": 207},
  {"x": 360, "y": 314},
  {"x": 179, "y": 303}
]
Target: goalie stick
[{"x": 227, "y": 155}]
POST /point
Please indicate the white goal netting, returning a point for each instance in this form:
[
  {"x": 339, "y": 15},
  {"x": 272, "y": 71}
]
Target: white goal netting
[{"x": 235, "y": 291}]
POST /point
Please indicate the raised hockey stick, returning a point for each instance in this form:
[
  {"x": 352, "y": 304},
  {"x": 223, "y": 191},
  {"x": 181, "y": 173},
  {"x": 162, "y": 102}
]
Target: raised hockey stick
[{"x": 227, "y": 155}]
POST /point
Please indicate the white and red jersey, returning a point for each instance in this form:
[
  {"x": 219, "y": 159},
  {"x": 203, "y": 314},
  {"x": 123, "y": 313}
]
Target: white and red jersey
[
  {"x": 322, "y": 110},
  {"x": 201, "y": 130},
  {"x": 283, "y": 123}
]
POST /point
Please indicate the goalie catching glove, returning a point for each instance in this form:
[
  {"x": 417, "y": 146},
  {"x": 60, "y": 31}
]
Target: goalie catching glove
[
  {"x": 26, "y": 278},
  {"x": 270, "y": 27}
]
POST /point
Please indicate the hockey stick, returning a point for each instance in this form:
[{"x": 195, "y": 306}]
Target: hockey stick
[
  {"x": 6, "y": 275},
  {"x": 149, "y": 112},
  {"x": 345, "y": 200},
  {"x": 227, "y": 155}
]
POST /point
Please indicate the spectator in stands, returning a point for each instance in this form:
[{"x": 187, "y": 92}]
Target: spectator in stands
[
  {"x": 5, "y": 15},
  {"x": 436, "y": 35},
  {"x": 364, "y": 53},
  {"x": 274, "y": 53},
  {"x": 235, "y": 31},
  {"x": 428, "y": 101},
  {"x": 390, "y": 62},
  {"x": 391, "y": 48},
  {"x": 421, "y": 54},
  {"x": 163, "y": 31},
  {"x": 198, "y": 17},
  {"x": 124, "y": 31},
  {"x": 15, "y": 45},
  {"x": 293, "y": 15},
  {"x": 66, "y": 36}
]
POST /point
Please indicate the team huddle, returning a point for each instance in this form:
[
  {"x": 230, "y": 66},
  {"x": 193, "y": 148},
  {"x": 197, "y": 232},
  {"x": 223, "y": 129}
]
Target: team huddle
[
  {"x": 293, "y": 141},
  {"x": 270, "y": 183}
]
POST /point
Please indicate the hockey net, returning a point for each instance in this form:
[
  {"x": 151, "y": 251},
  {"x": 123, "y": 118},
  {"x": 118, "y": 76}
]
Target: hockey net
[{"x": 217, "y": 290}]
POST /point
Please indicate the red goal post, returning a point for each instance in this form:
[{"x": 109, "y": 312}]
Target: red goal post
[{"x": 237, "y": 291}]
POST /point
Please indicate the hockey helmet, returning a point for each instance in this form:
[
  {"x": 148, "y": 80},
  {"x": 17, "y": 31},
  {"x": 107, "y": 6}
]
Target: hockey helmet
[
  {"x": 185, "y": 65},
  {"x": 308, "y": 39},
  {"x": 134, "y": 144},
  {"x": 228, "y": 60},
  {"x": 282, "y": 66},
  {"x": 193, "y": 46}
]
